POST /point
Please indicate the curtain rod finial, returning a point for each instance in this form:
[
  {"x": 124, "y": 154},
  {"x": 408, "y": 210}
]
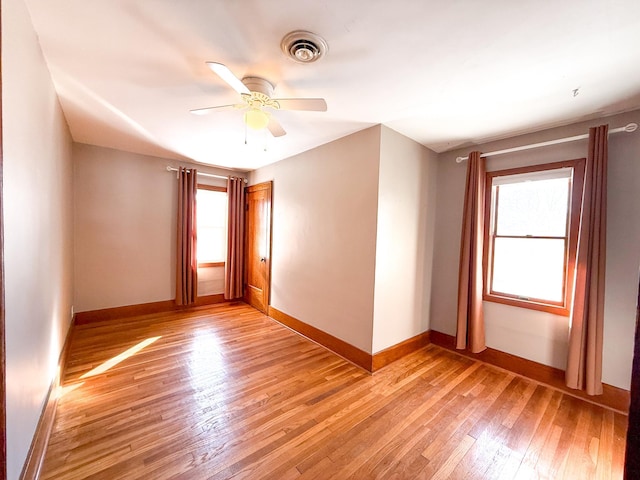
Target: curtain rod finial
[
  {"x": 632, "y": 127},
  {"x": 460, "y": 159}
]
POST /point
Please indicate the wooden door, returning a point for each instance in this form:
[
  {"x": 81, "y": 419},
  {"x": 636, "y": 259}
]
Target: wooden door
[
  {"x": 632, "y": 459},
  {"x": 258, "y": 246}
]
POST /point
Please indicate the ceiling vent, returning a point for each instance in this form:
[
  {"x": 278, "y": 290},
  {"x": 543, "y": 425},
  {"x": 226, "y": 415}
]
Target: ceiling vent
[{"x": 303, "y": 47}]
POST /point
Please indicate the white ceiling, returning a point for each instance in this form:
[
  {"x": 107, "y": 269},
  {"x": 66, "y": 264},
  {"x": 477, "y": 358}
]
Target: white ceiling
[{"x": 445, "y": 73}]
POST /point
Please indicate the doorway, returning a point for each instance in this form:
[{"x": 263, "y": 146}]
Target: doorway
[
  {"x": 632, "y": 458},
  {"x": 258, "y": 246}
]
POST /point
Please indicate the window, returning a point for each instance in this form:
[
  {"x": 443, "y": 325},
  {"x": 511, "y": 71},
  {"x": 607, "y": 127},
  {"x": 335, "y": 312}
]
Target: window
[
  {"x": 531, "y": 233},
  {"x": 212, "y": 225}
]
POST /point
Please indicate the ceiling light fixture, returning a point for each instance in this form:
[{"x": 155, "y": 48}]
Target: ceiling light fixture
[
  {"x": 256, "y": 119},
  {"x": 303, "y": 47}
]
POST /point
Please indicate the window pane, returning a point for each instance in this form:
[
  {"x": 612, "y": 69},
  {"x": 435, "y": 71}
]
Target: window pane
[
  {"x": 529, "y": 267},
  {"x": 536, "y": 208},
  {"x": 211, "y": 208},
  {"x": 211, "y": 247},
  {"x": 212, "y": 226}
]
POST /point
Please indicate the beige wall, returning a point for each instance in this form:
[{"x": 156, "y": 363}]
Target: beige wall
[
  {"x": 125, "y": 221},
  {"x": 324, "y": 235},
  {"x": 353, "y": 225},
  {"x": 534, "y": 335},
  {"x": 404, "y": 246},
  {"x": 38, "y": 246}
]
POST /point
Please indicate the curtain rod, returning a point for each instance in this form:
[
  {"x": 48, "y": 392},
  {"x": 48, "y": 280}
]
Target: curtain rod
[
  {"x": 632, "y": 127},
  {"x": 173, "y": 169}
]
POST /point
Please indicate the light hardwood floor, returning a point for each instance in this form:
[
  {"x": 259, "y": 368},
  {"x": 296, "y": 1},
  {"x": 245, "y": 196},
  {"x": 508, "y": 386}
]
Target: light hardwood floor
[{"x": 226, "y": 392}]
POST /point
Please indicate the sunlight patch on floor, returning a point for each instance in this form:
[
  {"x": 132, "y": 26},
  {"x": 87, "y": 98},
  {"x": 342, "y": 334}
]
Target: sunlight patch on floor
[{"x": 119, "y": 358}]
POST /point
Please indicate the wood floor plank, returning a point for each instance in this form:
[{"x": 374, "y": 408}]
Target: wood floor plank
[
  {"x": 227, "y": 393},
  {"x": 605, "y": 447},
  {"x": 400, "y": 443}
]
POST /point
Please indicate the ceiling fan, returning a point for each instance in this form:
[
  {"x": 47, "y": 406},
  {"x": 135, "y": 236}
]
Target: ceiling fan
[{"x": 256, "y": 101}]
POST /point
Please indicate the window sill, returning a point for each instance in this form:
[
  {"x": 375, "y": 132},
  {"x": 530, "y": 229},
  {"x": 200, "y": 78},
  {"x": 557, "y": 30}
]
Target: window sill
[
  {"x": 210, "y": 264},
  {"x": 514, "y": 302}
]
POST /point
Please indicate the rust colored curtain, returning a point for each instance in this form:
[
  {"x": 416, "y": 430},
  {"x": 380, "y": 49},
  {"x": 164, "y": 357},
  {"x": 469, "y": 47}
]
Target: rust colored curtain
[
  {"x": 584, "y": 363},
  {"x": 187, "y": 262},
  {"x": 234, "y": 266},
  {"x": 470, "y": 329}
]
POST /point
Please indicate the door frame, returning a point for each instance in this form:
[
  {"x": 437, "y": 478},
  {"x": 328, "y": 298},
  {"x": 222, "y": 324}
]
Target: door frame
[
  {"x": 267, "y": 288},
  {"x": 3, "y": 366}
]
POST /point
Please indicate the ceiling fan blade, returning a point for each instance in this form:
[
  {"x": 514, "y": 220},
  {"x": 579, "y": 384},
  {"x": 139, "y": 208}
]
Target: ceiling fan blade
[
  {"x": 275, "y": 128},
  {"x": 225, "y": 74},
  {"x": 309, "y": 104},
  {"x": 204, "y": 111}
]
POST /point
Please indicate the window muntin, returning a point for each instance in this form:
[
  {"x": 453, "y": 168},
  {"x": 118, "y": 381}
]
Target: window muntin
[
  {"x": 530, "y": 235},
  {"x": 212, "y": 225}
]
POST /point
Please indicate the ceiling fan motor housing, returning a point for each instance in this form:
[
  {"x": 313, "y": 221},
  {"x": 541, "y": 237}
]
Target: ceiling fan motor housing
[{"x": 260, "y": 85}]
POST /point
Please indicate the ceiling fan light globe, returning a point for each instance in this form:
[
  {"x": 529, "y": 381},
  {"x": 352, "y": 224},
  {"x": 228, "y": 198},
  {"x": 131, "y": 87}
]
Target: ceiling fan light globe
[{"x": 256, "y": 119}]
